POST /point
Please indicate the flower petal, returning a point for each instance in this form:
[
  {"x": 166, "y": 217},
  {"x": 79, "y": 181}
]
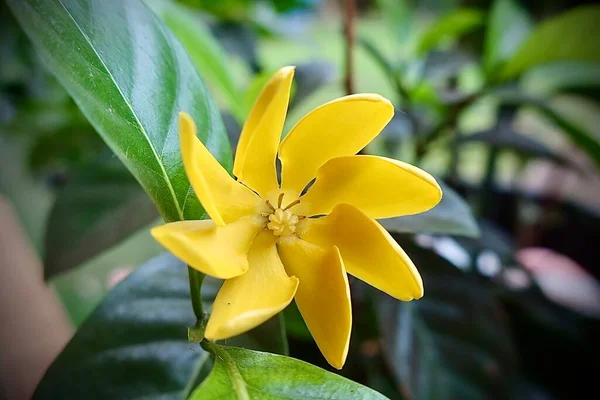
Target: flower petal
[
  {"x": 323, "y": 295},
  {"x": 219, "y": 251},
  {"x": 380, "y": 187},
  {"x": 224, "y": 199},
  {"x": 341, "y": 127},
  {"x": 249, "y": 300},
  {"x": 368, "y": 251},
  {"x": 257, "y": 148}
]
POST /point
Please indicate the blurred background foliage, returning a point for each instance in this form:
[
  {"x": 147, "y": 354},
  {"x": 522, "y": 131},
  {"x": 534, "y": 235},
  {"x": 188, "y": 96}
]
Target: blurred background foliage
[{"x": 499, "y": 99}]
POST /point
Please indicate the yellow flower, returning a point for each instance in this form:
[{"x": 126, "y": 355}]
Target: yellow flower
[{"x": 273, "y": 242}]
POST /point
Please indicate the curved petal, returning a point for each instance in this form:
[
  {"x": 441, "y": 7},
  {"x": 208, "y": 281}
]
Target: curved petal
[
  {"x": 224, "y": 199},
  {"x": 368, "y": 251},
  {"x": 323, "y": 295},
  {"x": 341, "y": 127},
  {"x": 257, "y": 149},
  {"x": 219, "y": 251},
  {"x": 249, "y": 300},
  {"x": 380, "y": 187}
]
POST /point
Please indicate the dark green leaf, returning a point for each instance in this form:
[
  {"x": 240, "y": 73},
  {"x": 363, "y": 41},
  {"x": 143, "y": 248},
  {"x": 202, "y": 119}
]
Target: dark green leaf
[
  {"x": 100, "y": 206},
  {"x": 451, "y": 216},
  {"x": 130, "y": 77},
  {"x": 246, "y": 374},
  {"x": 207, "y": 54},
  {"x": 569, "y": 36},
  {"x": 581, "y": 137},
  {"x": 454, "y": 343},
  {"x": 450, "y": 26},
  {"x": 135, "y": 344},
  {"x": 508, "y": 25}
]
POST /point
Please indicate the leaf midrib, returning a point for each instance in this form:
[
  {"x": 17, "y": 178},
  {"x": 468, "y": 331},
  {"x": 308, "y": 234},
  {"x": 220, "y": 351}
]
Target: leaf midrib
[
  {"x": 137, "y": 120},
  {"x": 237, "y": 381}
]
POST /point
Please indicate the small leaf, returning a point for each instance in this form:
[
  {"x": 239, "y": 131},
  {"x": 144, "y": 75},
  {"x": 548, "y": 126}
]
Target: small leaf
[
  {"x": 205, "y": 51},
  {"x": 450, "y": 26},
  {"x": 100, "y": 206},
  {"x": 451, "y": 216},
  {"x": 571, "y": 36},
  {"x": 246, "y": 374},
  {"x": 130, "y": 78},
  {"x": 135, "y": 344},
  {"x": 509, "y": 24}
]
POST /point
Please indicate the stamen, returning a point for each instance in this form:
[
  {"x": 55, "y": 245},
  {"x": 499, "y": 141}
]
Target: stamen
[
  {"x": 292, "y": 204},
  {"x": 270, "y": 205},
  {"x": 280, "y": 200},
  {"x": 301, "y": 217}
]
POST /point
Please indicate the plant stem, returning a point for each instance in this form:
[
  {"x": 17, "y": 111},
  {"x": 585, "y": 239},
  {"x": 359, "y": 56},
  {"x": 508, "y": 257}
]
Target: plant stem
[
  {"x": 349, "y": 34},
  {"x": 196, "y": 279},
  {"x": 196, "y": 333}
]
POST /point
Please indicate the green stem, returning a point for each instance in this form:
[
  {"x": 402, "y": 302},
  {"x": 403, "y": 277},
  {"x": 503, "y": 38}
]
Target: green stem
[{"x": 196, "y": 333}]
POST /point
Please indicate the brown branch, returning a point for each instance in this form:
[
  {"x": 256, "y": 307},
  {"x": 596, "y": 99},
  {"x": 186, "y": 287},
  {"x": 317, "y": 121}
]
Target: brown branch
[{"x": 349, "y": 35}]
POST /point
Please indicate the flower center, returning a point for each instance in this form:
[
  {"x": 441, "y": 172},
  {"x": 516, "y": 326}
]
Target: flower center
[{"x": 281, "y": 221}]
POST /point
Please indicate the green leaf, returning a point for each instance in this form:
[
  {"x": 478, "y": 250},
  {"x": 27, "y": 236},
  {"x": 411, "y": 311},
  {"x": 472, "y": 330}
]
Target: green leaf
[
  {"x": 130, "y": 77},
  {"x": 509, "y": 24},
  {"x": 453, "y": 343},
  {"x": 100, "y": 206},
  {"x": 451, "y": 216},
  {"x": 135, "y": 344},
  {"x": 245, "y": 374},
  {"x": 207, "y": 54},
  {"x": 584, "y": 139},
  {"x": 572, "y": 36},
  {"x": 450, "y": 26}
]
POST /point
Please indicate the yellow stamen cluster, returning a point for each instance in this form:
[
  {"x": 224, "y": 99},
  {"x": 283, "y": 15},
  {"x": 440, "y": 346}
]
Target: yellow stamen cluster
[{"x": 281, "y": 221}]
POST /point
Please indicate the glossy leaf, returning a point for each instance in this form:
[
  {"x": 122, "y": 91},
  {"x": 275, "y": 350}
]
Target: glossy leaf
[
  {"x": 100, "y": 206},
  {"x": 572, "y": 36},
  {"x": 508, "y": 25},
  {"x": 451, "y": 216},
  {"x": 450, "y": 26},
  {"x": 453, "y": 343},
  {"x": 135, "y": 344},
  {"x": 130, "y": 77},
  {"x": 246, "y": 374},
  {"x": 205, "y": 51}
]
